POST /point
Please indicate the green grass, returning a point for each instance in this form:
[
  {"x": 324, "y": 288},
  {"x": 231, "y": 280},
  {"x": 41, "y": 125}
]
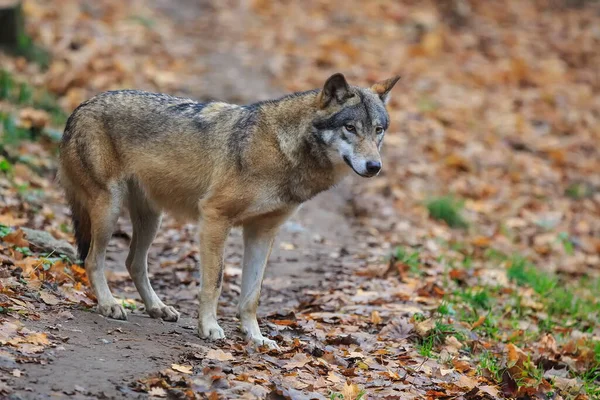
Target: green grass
[
  {"x": 427, "y": 345},
  {"x": 591, "y": 382},
  {"x": 447, "y": 209},
  {"x": 4, "y": 230},
  {"x": 578, "y": 191},
  {"x": 144, "y": 21},
  {"x": 24, "y": 250},
  {"x": 445, "y": 309},
  {"x": 338, "y": 395},
  {"x": 523, "y": 272},
  {"x": 23, "y": 94},
  {"x": 477, "y": 298},
  {"x": 411, "y": 259},
  {"x": 31, "y": 51},
  {"x": 5, "y": 166},
  {"x": 490, "y": 363},
  {"x": 10, "y": 132},
  {"x": 549, "y": 303},
  {"x": 566, "y": 242}
]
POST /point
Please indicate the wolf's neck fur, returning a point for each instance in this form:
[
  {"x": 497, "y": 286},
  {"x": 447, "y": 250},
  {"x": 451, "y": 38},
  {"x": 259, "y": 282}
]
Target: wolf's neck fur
[{"x": 289, "y": 122}]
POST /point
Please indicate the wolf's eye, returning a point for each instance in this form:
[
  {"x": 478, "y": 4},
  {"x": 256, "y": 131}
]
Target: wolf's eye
[
  {"x": 379, "y": 130},
  {"x": 350, "y": 128}
]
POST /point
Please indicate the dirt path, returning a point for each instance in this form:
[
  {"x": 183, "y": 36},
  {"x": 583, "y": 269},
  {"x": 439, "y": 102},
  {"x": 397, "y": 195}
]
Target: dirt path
[{"x": 100, "y": 357}]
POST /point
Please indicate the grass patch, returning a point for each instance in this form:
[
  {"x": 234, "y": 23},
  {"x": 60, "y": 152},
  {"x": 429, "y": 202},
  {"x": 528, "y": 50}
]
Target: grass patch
[
  {"x": 578, "y": 191},
  {"x": 4, "y": 230},
  {"x": 523, "y": 272},
  {"x": 11, "y": 134},
  {"x": 32, "y": 52},
  {"x": 409, "y": 258},
  {"x": 477, "y": 298},
  {"x": 489, "y": 365},
  {"x": 447, "y": 209},
  {"x": 338, "y": 395},
  {"x": 493, "y": 314},
  {"x": 427, "y": 345},
  {"x": 23, "y": 94},
  {"x": 562, "y": 304}
]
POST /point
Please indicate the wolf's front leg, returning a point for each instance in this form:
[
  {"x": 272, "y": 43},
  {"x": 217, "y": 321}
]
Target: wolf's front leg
[
  {"x": 258, "y": 240},
  {"x": 213, "y": 233}
]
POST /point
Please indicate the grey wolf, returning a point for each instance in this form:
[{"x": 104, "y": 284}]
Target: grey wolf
[{"x": 220, "y": 164}]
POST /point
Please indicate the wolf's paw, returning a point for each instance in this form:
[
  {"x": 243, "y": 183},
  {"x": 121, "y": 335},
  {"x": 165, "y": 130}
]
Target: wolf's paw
[
  {"x": 112, "y": 310},
  {"x": 167, "y": 313},
  {"x": 263, "y": 341},
  {"x": 210, "y": 329}
]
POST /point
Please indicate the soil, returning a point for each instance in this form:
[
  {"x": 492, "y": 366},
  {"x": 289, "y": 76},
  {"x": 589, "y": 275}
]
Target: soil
[{"x": 101, "y": 357}]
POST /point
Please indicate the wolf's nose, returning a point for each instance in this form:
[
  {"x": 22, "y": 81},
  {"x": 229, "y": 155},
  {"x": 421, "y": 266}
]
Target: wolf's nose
[{"x": 373, "y": 167}]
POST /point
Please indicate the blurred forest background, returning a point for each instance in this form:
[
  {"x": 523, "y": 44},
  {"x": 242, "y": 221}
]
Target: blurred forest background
[{"x": 473, "y": 264}]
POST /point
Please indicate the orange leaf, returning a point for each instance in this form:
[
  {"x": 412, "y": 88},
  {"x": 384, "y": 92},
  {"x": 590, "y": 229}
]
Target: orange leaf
[
  {"x": 17, "y": 238},
  {"x": 375, "y": 317},
  {"x": 479, "y": 322}
]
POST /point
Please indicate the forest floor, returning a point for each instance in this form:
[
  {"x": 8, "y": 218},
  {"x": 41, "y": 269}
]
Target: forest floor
[{"x": 469, "y": 268}]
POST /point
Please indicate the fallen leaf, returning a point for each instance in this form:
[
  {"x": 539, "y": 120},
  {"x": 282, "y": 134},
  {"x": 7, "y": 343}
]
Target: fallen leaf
[
  {"x": 375, "y": 317},
  {"x": 466, "y": 382},
  {"x": 424, "y": 327},
  {"x": 332, "y": 377},
  {"x": 219, "y": 355},
  {"x": 17, "y": 238},
  {"x": 11, "y": 220},
  {"x": 350, "y": 391},
  {"x": 479, "y": 322},
  {"x": 39, "y": 338},
  {"x": 452, "y": 345},
  {"x": 49, "y": 298},
  {"x": 182, "y": 368},
  {"x": 157, "y": 392},
  {"x": 491, "y": 390},
  {"x": 298, "y": 361}
]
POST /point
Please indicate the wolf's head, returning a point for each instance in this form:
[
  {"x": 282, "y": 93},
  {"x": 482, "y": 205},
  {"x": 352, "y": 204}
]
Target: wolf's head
[{"x": 351, "y": 122}]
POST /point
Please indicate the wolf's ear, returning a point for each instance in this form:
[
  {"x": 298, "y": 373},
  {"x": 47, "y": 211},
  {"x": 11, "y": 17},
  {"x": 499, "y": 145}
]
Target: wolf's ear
[
  {"x": 383, "y": 88},
  {"x": 335, "y": 88}
]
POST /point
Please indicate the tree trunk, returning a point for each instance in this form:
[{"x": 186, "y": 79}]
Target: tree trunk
[{"x": 11, "y": 23}]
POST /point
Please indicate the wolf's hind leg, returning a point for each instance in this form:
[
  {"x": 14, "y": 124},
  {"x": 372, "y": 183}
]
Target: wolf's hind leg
[
  {"x": 104, "y": 212},
  {"x": 146, "y": 221}
]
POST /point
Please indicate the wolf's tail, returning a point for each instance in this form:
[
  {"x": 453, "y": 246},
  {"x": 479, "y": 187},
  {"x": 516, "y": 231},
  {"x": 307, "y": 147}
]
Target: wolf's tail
[{"x": 81, "y": 226}]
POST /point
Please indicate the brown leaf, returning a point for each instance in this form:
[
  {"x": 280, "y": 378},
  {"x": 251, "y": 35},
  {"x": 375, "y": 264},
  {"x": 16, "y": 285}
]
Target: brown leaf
[
  {"x": 182, "y": 368},
  {"x": 491, "y": 390},
  {"x": 466, "y": 382},
  {"x": 452, "y": 345},
  {"x": 11, "y": 220},
  {"x": 397, "y": 330},
  {"x": 157, "y": 392},
  {"x": 424, "y": 327},
  {"x": 17, "y": 238},
  {"x": 350, "y": 391},
  {"x": 479, "y": 322},
  {"x": 49, "y": 298},
  {"x": 298, "y": 361},
  {"x": 461, "y": 366},
  {"x": 375, "y": 317},
  {"x": 38, "y": 338},
  {"x": 219, "y": 355}
]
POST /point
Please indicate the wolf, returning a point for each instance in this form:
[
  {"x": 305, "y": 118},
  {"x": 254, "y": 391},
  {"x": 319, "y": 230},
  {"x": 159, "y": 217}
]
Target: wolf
[{"x": 222, "y": 165}]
